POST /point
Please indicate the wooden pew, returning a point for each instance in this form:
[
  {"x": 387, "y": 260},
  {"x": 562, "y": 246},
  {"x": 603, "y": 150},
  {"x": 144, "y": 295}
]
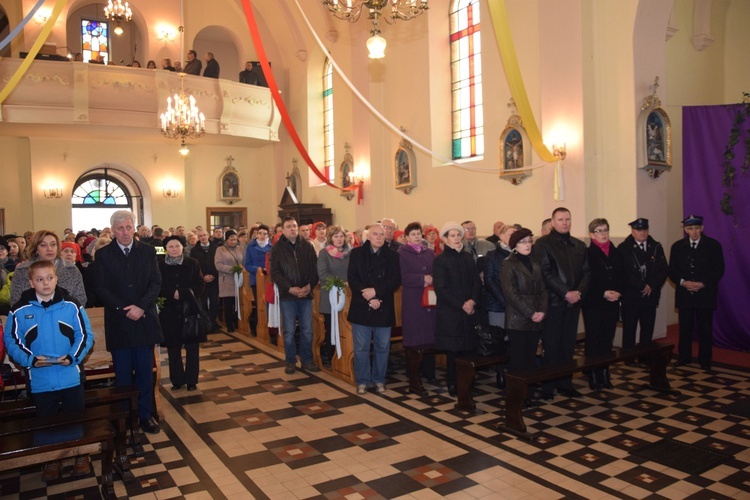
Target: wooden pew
[{"x": 655, "y": 355}]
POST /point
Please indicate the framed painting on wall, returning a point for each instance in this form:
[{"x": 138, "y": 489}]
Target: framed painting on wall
[
  {"x": 654, "y": 132},
  {"x": 230, "y": 185},
  {"x": 405, "y": 167}
]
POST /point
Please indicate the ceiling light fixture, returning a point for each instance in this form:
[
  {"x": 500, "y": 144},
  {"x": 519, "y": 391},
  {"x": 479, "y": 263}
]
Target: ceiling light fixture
[
  {"x": 118, "y": 13},
  {"x": 351, "y": 10},
  {"x": 183, "y": 118}
]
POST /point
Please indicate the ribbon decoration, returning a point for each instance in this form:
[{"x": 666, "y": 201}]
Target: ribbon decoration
[
  {"x": 274, "y": 309},
  {"x": 18, "y": 28},
  {"x": 238, "y": 279},
  {"x": 337, "y": 298},
  {"x": 16, "y": 78},
  {"x": 285, "y": 118},
  {"x": 515, "y": 81}
]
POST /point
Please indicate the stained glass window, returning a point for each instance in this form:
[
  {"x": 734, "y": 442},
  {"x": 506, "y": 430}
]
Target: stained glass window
[
  {"x": 100, "y": 192},
  {"x": 95, "y": 41},
  {"x": 466, "y": 79},
  {"x": 328, "y": 161}
]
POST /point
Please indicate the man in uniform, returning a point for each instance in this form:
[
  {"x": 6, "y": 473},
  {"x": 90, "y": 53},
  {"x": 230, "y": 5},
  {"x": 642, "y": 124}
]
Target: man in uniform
[
  {"x": 646, "y": 270},
  {"x": 696, "y": 264}
]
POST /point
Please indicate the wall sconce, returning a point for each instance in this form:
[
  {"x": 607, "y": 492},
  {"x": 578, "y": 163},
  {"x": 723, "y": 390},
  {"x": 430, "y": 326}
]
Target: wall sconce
[
  {"x": 357, "y": 179},
  {"x": 166, "y": 33},
  {"x": 41, "y": 16},
  {"x": 170, "y": 192},
  {"x": 53, "y": 192},
  {"x": 559, "y": 151}
]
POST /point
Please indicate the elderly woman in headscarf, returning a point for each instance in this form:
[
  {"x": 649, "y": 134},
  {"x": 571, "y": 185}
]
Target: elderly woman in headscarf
[
  {"x": 458, "y": 289},
  {"x": 45, "y": 245}
]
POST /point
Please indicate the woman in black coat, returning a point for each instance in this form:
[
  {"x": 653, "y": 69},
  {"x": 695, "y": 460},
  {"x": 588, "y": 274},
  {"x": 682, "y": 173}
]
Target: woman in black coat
[
  {"x": 525, "y": 301},
  {"x": 601, "y": 304},
  {"x": 179, "y": 275},
  {"x": 458, "y": 288}
]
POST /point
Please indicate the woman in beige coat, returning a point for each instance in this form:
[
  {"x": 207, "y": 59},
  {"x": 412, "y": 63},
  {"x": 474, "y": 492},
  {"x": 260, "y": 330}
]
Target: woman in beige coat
[{"x": 227, "y": 257}]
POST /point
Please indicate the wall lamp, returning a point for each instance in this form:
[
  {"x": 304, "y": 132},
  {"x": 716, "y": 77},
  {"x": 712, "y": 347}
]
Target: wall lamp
[
  {"x": 167, "y": 34},
  {"x": 170, "y": 192},
  {"x": 559, "y": 151},
  {"x": 53, "y": 192}
]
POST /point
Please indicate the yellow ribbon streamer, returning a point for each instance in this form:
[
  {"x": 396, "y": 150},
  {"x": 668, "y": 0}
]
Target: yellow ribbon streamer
[
  {"x": 515, "y": 81},
  {"x": 16, "y": 78}
]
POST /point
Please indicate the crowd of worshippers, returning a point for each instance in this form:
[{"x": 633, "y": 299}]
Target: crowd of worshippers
[{"x": 532, "y": 289}]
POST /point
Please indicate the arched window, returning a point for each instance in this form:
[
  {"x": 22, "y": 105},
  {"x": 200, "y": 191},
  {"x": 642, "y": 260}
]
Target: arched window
[
  {"x": 466, "y": 79},
  {"x": 328, "y": 161},
  {"x": 99, "y": 193}
]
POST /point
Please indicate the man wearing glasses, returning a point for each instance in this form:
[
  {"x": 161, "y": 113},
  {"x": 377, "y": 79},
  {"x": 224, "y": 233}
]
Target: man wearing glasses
[
  {"x": 390, "y": 226},
  {"x": 646, "y": 271}
]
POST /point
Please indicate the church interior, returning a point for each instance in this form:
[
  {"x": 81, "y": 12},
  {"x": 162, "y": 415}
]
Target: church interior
[{"x": 570, "y": 84}]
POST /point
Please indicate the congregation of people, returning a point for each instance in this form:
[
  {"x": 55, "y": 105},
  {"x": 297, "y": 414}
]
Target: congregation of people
[
  {"x": 251, "y": 75},
  {"x": 452, "y": 284}
]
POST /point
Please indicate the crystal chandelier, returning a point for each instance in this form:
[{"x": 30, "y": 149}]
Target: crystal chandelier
[
  {"x": 183, "y": 118},
  {"x": 350, "y": 10},
  {"x": 118, "y": 13}
]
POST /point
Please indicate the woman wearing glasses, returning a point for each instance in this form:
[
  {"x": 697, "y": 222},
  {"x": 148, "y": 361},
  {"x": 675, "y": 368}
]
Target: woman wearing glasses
[
  {"x": 525, "y": 301},
  {"x": 601, "y": 305}
]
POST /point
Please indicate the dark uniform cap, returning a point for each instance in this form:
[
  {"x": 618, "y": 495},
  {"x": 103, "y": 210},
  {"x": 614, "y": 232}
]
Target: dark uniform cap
[
  {"x": 693, "y": 220},
  {"x": 639, "y": 223}
]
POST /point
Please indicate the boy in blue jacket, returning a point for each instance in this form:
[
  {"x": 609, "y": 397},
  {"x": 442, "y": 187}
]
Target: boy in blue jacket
[{"x": 49, "y": 333}]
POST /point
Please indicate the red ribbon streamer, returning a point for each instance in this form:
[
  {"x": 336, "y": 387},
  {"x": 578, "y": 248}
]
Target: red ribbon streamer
[{"x": 285, "y": 118}]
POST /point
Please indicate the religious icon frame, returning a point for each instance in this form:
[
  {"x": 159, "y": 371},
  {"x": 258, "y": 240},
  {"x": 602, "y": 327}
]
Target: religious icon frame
[
  {"x": 405, "y": 167},
  {"x": 230, "y": 185},
  {"x": 513, "y": 139},
  {"x": 654, "y": 136}
]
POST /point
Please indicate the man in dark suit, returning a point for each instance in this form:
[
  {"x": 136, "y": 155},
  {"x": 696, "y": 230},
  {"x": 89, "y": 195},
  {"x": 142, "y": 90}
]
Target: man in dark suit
[
  {"x": 212, "y": 66},
  {"x": 128, "y": 283},
  {"x": 696, "y": 264},
  {"x": 646, "y": 271},
  {"x": 247, "y": 76},
  {"x": 204, "y": 252},
  {"x": 193, "y": 65}
]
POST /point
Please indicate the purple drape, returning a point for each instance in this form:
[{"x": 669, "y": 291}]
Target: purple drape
[{"x": 706, "y": 131}]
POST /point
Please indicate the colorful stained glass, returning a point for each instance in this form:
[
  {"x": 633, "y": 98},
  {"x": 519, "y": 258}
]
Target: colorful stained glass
[
  {"x": 328, "y": 152},
  {"x": 466, "y": 80},
  {"x": 99, "y": 192},
  {"x": 95, "y": 40}
]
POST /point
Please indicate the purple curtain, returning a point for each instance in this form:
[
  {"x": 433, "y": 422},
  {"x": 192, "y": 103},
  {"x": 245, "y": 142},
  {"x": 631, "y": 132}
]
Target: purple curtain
[{"x": 706, "y": 131}]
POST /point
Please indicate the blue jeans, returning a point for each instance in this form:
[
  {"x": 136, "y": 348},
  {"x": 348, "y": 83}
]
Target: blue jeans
[
  {"x": 300, "y": 310},
  {"x": 381, "y": 340}
]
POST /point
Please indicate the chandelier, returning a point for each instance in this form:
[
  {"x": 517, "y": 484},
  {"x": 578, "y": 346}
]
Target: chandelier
[
  {"x": 118, "y": 13},
  {"x": 183, "y": 118},
  {"x": 350, "y": 10}
]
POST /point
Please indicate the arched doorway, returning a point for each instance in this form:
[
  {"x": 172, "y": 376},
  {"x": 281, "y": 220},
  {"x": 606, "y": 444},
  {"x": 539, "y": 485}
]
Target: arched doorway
[
  {"x": 222, "y": 43},
  {"x": 100, "y": 192}
]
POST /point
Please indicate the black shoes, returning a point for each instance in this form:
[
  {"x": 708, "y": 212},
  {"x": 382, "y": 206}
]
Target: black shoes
[
  {"x": 452, "y": 391},
  {"x": 176, "y": 387},
  {"x": 570, "y": 393},
  {"x": 548, "y": 396},
  {"x": 191, "y": 387},
  {"x": 151, "y": 426}
]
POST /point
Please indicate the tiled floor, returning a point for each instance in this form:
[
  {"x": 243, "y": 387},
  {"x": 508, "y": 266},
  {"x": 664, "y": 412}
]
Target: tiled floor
[{"x": 251, "y": 431}]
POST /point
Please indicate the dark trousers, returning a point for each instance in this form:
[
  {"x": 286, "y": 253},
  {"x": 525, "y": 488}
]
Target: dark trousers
[
  {"x": 327, "y": 349},
  {"x": 137, "y": 363},
  {"x": 600, "y": 325},
  {"x": 210, "y": 300},
  {"x": 70, "y": 400},
  {"x": 703, "y": 319},
  {"x": 522, "y": 349},
  {"x": 634, "y": 312},
  {"x": 180, "y": 374},
  {"x": 559, "y": 342},
  {"x": 230, "y": 313}
]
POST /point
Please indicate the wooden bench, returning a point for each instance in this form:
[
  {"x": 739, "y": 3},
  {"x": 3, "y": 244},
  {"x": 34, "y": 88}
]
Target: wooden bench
[
  {"x": 67, "y": 436},
  {"x": 655, "y": 355},
  {"x": 466, "y": 372},
  {"x": 93, "y": 397}
]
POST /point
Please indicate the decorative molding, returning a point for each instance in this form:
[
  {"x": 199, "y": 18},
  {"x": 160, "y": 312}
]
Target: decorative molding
[
  {"x": 252, "y": 101},
  {"x": 301, "y": 55},
  {"x": 37, "y": 78},
  {"x": 672, "y": 26},
  {"x": 120, "y": 85}
]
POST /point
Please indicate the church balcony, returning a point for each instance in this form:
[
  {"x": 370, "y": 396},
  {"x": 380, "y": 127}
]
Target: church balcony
[{"x": 56, "y": 93}]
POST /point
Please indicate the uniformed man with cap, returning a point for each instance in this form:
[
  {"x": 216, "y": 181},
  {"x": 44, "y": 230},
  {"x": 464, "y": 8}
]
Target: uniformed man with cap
[
  {"x": 696, "y": 264},
  {"x": 646, "y": 270}
]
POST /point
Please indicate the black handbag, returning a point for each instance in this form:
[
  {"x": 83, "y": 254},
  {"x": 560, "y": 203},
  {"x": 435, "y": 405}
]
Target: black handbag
[
  {"x": 196, "y": 323},
  {"x": 490, "y": 340}
]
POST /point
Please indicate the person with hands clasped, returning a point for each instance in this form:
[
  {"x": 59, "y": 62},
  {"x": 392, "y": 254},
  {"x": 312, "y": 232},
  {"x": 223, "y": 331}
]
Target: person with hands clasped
[{"x": 49, "y": 333}]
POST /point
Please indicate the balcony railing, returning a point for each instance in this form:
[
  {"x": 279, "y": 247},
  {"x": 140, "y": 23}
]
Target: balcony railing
[{"x": 78, "y": 93}]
